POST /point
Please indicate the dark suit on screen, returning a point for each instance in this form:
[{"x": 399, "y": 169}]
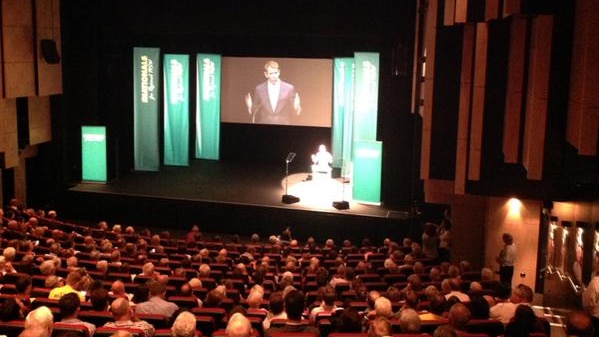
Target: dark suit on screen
[{"x": 262, "y": 111}]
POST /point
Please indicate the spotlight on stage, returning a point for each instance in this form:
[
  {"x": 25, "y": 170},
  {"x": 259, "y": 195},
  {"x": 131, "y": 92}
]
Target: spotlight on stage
[{"x": 287, "y": 198}]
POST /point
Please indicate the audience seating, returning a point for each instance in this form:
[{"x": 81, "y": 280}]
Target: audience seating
[
  {"x": 12, "y": 328},
  {"x": 74, "y": 330},
  {"x": 107, "y": 332}
]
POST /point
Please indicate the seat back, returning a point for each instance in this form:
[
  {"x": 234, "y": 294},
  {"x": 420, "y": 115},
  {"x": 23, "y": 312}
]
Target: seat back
[
  {"x": 104, "y": 331},
  {"x": 78, "y": 330}
]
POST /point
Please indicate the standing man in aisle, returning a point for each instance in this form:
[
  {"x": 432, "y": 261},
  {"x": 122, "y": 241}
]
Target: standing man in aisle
[{"x": 506, "y": 259}]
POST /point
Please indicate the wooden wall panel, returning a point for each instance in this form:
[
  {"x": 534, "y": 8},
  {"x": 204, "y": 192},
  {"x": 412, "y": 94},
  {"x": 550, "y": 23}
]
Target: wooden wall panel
[
  {"x": 449, "y": 13},
  {"x": 582, "y": 128},
  {"x": 514, "y": 90},
  {"x": 429, "y": 82},
  {"x": 461, "y": 11},
  {"x": 464, "y": 109},
  {"x": 40, "y": 121},
  {"x": 478, "y": 101},
  {"x": 537, "y": 96},
  {"x": 511, "y": 7},
  {"x": 18, "y": 51},
  {"x": 47, "y": 18},
  {"x": 9, "y": 142},
  {"x": 491, "y": 10}
]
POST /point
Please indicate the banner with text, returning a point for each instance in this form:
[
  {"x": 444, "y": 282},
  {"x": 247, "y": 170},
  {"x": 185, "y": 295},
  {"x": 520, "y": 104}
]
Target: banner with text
[
  {"x": 208, "y": 106},
  {"x": 343, "y": 103},
  {"x": 176, "y": 110},
  {"x": 366, "y": 95},
  {"x": 93, "y": 153},
  {"x": 367, "y": 161},
  {"x": 146, "y": 94}
]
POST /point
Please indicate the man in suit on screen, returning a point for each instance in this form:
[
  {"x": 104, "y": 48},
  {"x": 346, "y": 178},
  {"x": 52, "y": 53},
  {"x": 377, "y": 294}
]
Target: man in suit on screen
[{"x": 273, "y": 101}]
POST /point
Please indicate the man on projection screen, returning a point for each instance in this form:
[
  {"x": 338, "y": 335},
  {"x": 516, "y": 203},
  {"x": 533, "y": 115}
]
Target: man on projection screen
[{"x": 274, "y": 101}]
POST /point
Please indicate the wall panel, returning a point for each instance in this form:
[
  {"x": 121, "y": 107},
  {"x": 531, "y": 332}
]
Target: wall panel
[
  {"x": 537, "y": 96},
  {"x": 40, "y": 121},
  {"x": 18, "y": 51},
  {"x": 464, "y": 109},
  {"x": 514, "y": 91},
  {"x": 478, "y": 101},
  {"x": 9, "y": 143},
  {"x": 47, "y": 18}
]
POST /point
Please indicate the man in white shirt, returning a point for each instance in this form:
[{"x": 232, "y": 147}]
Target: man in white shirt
[{"x": 506, "y": 259}]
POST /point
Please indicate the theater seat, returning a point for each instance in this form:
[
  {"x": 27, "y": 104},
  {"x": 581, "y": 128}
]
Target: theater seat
[
  {"x": 73, "y": 330},
  {"x": 107, "y": 332},
  {"x": 12, "y": 328}
]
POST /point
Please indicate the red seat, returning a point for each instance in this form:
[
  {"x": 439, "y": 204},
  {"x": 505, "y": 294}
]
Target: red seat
[
  {"x": 205, "y": 324},
  {"x": 107, "y": 332},
  {"x": 78, "y": 330},
  {"x": 98, "y": 318}
]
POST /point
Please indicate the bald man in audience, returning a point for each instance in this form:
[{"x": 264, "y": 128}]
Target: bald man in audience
[
  {"x": 238, "y": 326},
  {"x": 124, "y": 318}
]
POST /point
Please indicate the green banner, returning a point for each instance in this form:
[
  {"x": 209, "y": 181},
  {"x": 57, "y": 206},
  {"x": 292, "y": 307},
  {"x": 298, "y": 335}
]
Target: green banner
[
  {"x": 146, "y": 94},
  {"x": 208, "y": 106},
  {"x": 367, "y": 161},
  {"x": 176, "y": 110},
  {"x": 366, "y": 94},
  {"x": 93, "y": 153},
  {"x": 343, "y": 112}
]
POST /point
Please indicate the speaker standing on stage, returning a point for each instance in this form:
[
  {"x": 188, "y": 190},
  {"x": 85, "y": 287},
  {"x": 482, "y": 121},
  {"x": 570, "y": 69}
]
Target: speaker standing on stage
[{"x": 506, "y": 259}]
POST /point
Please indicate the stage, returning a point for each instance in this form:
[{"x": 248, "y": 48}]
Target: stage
[{"x": 236, "y": 198}]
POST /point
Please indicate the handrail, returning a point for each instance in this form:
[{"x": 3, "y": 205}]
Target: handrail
[{"x": 564, "y": 277}]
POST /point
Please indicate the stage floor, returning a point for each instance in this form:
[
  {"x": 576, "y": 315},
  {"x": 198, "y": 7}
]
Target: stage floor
[{"x": 238, "y": 184}]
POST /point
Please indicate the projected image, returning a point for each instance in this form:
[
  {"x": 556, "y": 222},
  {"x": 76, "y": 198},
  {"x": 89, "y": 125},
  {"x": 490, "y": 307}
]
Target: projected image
[{"x": 282, "y": 91}]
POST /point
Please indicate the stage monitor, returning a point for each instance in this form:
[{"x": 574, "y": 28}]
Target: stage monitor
[{"x": 281, "y": 91}]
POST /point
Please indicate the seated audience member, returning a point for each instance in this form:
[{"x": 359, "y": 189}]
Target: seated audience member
[
  {"x": 147, "y": 270},
  {"x": 69, "y": 306},
  {"x": 117, "y": 289},
  {"x": 455, "y": 290},
  {"x": 349, "y": 320},
  {"x": 327, "y": 303},
  {"x": 445, "y": 331},
  {"x": 238, "y": 326},
  {"x": 579, "y": 323},
  {"x": 74, "y": 284},
  {"x": 10, "y": 310},
  {"x": 39, "y": 322},
  {"x": 504, "y": 311},
  {"x": 156, "y": 304},
  {"x": 99, "y": 298},
  {"x": 186, "y": 290},
  {"x": 124, "y": 318},
  {"x": 141, "y": 294},
  {"x": 254, "y": 300},
  {"x": 459, "y": 316},
  {"x": 294, "y": 306},
  {"x": 479, "y": 307},
  {"x": 24, "y": 286},
  {"x": 276, "y": 309},
  {"x": 437, "y": 304},
  {"x": 524, "y": 322},
  {"x": 383, "y": 308},
  {"x": 409, "y": 321},
  {"x": 379, "y": 327},
  {"x": 53, "y": 281},
  {"x": 184, "y": 325}
]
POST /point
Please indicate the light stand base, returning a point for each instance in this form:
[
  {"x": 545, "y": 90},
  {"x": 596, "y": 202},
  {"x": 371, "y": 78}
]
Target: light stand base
[
  {"x": 289, "y": 199},
  {"x": 341, "y": 205}
]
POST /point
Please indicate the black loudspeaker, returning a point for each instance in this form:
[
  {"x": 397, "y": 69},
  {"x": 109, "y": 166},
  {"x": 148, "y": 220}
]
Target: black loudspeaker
[
  {"x": 289, "y": 199},
  {"x": 341, "y": 205},
  {"x": 49, "y": 51}
]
